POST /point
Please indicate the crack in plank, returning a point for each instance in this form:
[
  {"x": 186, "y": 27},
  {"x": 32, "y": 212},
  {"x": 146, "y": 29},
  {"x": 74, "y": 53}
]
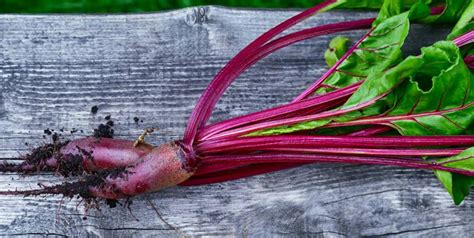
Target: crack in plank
[{"x": 416, "y": 230}]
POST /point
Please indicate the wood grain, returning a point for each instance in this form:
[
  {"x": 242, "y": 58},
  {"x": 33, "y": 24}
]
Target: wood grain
[{"x": 54, "y": 68}]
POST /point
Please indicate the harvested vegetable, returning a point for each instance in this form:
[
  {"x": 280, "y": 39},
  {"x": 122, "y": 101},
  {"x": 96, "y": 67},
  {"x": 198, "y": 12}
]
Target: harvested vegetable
[{"x": 373, "y": 106}]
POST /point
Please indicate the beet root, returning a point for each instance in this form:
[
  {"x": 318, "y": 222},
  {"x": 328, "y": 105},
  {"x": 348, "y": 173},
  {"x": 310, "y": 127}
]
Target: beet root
[
  {"x": 165, "y": 166},
  {"x": 83, "y": 155},
  {"x": 101, "y": 153},
  {"x": 110, "y": 168}
]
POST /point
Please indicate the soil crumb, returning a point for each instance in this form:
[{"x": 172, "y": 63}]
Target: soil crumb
[
  {"x": 94, "y": 109},
  {"x": 105, "y": 130}
]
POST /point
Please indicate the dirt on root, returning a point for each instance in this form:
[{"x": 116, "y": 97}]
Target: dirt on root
[
  {"x": 40, "y": 155},
  {"x": 66, "y": 164},
  {"x": 81, "y": 189},
  {"x": 40, "y": 158}
]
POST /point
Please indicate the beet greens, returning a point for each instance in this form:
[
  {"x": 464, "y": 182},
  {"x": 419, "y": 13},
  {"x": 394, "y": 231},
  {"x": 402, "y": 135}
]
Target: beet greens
[{"x": 373, "y": 106}]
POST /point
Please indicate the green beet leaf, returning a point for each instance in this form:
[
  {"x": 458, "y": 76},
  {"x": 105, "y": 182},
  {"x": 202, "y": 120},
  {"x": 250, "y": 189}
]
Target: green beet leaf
[
  {"x": 465, "y": 22},
  {"x": 452, "y": 12},
  {"x": 379, "y": 50},
  {"x": 432, "y": 94},
  {"x": 457, "y": 185}
]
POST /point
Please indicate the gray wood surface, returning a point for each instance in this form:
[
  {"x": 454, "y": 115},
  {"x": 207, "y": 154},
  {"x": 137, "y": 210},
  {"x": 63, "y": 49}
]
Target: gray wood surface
[{"x": 54, "y": 68}]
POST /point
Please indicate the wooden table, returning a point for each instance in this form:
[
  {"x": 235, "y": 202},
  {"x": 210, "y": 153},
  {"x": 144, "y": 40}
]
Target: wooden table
[{"x": 54, "y": 68}]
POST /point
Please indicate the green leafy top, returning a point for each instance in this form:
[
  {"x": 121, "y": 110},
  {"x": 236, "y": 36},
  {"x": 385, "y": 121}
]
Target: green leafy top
[
  {"x": 453, "y": 9},
  {"x": 437, "y": 98},
  {"x": 465, "y": 22},
  {"x": 457, "y": 185},
  {"x": 379, "y": 50},
  {"x": 452, "y": 12}
]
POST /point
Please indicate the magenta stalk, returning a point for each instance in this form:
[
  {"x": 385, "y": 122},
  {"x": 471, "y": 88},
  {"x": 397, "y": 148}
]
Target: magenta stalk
[
  {"x": 212, "y": 130},
  {"x": 256, "y": 143},
  {"x": 290, "y": 121},
  {"x": 305, "y": 158},
  {"x": 464, "y": 39},
  {"x": 364, "y": 151},
  {"x": 223, "y": 79},
  {"x": 277, "y": 44}
]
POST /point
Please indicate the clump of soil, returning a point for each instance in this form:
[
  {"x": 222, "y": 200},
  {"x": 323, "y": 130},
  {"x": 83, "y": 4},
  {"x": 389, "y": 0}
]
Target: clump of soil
[
  {"x": 36, "y": 160},
  {"x": 137, "y": 120},
  {"x": 66, "y": 164},
  {"x": 54, "y": 136},
  {"x": 70, "y": 165},
  {"x": 105, "y": 130},
  {"x": 96, "y": 179},
  {"x": 94, "y": 109}
]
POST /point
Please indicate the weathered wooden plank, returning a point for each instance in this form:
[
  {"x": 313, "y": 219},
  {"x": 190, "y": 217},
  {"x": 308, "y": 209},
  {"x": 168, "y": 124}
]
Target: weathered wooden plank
[{"x": 54, "y": 68}]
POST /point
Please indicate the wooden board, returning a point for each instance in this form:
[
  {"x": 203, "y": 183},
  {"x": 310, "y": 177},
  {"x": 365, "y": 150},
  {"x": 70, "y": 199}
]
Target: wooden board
[{"x": 54, "y": 68}]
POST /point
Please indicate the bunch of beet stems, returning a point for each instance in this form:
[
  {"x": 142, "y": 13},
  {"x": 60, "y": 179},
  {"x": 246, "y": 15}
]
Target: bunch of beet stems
[{"x": 218, "y": 152}]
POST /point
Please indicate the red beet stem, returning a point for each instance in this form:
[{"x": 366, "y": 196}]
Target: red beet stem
[
  {"x": 302, "y": 158},
  {"x": 272, "y": 47},
  {"x": 224, "y": 78},
  {"x": 294, "y": 120},
  {"x": 365, "y": 151},
  {"x": 216, "y": 167},
  {"x": 437, "y": 10},
  {"x": 469, "y": 60},
  {"x": 306, "y": 104},
  {"x": 261, "y": 142},
  {"x": 464, "y": 39}
]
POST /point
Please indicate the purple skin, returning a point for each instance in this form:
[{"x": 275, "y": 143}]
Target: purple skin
[
  {"x": 102, "y": 150},
  {"x": 90, "y": 154},
  {"x": 147, "y": 169},
  {"x": 114, "y": 168},
  {"x": 165, "y": 166}
]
